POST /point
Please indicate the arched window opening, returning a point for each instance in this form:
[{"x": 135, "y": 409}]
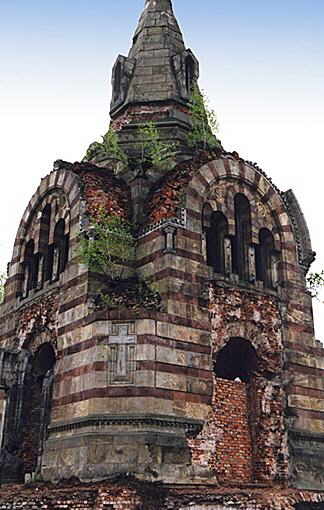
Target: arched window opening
[
  {"x": 190, "y": 74},
  {"x": 206, "y": 221},
  {"x": 59, "y": 251},
  {"x": 38, "y": 406},
  {"x": 242, "y": 239},
  {"x": 43, "y": 255},
  {"x": 216, "y": 237},
  {"x": 43, "y": 361},
  {"x": 237, "y": 360},
  {"x": 206, "y": 217},
  {"x": 30, "y": 268},
  {"x": 266, "y": 259}
]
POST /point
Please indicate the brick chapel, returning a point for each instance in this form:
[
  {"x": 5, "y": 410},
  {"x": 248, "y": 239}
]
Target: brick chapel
[{"x": 213, "y": 397}]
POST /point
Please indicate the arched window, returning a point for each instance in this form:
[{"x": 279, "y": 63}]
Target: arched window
[
  {"x": 216, "y": 235},
  {"x": 265, "y": 258},
  {"x": 29, "y": 266},
  {"x": 44, "y": 360},
  {"x": 242, "y": 240},
  {"x": 190, "y": 73},
  {"x": 60, "y": 250},
  {"x": 43, "y": 255},
  {"x": 238, "y": 359},
  {"x": 38, "y": 406}
]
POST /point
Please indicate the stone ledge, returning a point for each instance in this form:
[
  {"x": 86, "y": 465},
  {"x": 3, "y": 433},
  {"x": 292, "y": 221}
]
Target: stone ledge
[
  {"x": 306, "y": 435},
  {"x": 191, "y": 426}
]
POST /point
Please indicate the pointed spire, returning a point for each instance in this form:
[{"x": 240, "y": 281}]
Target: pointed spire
[
  {"x": 158, "y": 15},
  {"x": 158, "y": 66}
]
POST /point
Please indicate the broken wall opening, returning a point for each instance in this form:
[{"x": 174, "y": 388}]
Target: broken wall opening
[
  {"x": 37, "y": 406},
  {"x": 234, "y": 367},
  {"x": 237, "y": 360},
  {"x": 234, "y": 454}
]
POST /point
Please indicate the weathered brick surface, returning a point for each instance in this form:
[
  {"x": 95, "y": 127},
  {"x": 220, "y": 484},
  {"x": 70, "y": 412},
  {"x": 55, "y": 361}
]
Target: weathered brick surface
[
  {"x": 138, "y": 496},
  {"x": 233, "y": 459},
  {"x": 225, "y": 444}
]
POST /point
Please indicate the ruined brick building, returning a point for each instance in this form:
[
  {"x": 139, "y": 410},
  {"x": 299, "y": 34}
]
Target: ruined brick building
[{"x": 213, "y": 399}]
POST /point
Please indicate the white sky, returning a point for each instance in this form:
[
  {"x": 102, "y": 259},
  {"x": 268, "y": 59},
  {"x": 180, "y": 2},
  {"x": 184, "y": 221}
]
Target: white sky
[{"x": 264, "y": 79}]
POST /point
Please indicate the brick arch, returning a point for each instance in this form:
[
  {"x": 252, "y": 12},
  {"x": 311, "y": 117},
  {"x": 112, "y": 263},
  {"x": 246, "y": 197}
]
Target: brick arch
[
  {"x": 62, "y": 180},
  {"x": 247, "y": 330},
  {"x": 221, "y": 198},
  {"x": 252, "y": 183},
  {"x": 51, "y": 197},
  {"x": 33, "y": 344}
]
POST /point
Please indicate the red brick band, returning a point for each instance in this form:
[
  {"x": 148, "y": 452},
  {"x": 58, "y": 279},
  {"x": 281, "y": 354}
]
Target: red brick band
[{"x": 130, "y": 392}]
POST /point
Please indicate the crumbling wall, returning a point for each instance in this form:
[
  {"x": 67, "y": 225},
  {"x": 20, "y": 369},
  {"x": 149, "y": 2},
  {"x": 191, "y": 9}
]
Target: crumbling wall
[
  {"x": 37, "y": 323},
  {"x": 225, "y": 445},
  {"x": 143, "y": 496},
  {"x": 248, "y": 418},
  {"x": 31, "y": 429},
  {"x": 233, "y": 459}
]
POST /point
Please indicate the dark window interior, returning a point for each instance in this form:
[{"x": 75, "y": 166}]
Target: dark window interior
[
  {"x": 44, "y": 360},
  {"x": 43, "y": 242},
  {"x": 51, "y": 259},
  {"x": 242, "y": 237},
  {"x": 60, "y": 247},
  {"x": 37, "y": 405},
  {"x": 264, "y": 252},
  {"x": 228, "y": 254},
  {"x": 30, "y": 267},
  {"x": 238, "y": 359},
  {"x": 215, "y": 237}
]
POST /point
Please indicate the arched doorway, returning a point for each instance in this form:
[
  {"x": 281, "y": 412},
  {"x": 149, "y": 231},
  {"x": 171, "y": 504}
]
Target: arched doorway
[{"x": 38, "y": 396}]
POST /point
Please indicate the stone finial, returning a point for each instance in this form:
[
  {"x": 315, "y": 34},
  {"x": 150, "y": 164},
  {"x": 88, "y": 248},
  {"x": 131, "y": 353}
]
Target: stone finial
[{"x": 159, "y": 5}]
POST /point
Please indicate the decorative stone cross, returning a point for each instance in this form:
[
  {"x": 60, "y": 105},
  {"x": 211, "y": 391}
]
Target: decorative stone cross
[{"x": 121, "y": 341}]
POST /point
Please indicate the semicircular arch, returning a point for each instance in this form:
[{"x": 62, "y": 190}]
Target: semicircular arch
[
  {"x": 217, "y": 182},
  {"x": 67, "y": 185}
]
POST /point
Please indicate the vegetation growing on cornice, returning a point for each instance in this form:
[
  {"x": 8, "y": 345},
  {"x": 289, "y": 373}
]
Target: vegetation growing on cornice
[
  {"x": 152, "y": 152},
  {"x": 108, "y": 149},
  {"x": 108, "y": 247}
]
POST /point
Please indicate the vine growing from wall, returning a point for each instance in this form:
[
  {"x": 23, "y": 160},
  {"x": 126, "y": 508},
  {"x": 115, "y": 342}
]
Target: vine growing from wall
[
  {"x": 204, "y": 123},
  {"x": 315, "y": 284}
]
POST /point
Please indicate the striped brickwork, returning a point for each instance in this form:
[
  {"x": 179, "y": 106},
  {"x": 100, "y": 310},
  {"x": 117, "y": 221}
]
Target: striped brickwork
[{"x": 162, "y": 366}]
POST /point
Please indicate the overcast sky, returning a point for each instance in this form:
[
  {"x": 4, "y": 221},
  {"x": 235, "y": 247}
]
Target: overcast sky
[{"x": 262, "y": 66}]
